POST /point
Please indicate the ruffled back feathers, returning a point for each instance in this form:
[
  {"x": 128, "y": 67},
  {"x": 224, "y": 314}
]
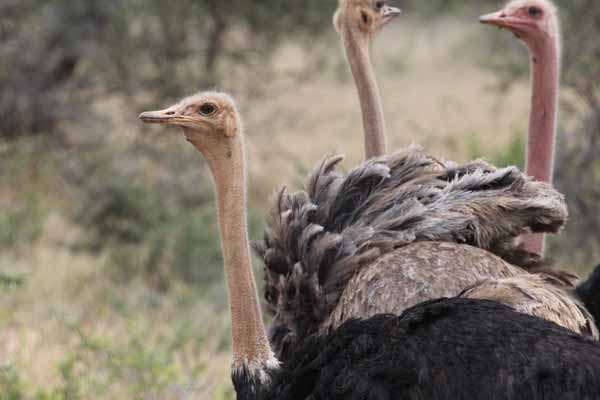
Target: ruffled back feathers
[{"x": 319, "y": 237}]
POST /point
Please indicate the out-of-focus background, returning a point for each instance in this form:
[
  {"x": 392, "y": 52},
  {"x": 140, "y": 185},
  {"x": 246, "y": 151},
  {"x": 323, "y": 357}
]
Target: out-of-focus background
[{"x": 111, "y": 283}]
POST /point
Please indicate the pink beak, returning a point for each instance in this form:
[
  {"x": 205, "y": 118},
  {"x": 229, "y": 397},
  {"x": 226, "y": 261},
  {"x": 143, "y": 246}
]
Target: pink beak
[
  {"x": 166, "y": 116},
  {"x": 498, "y": 18}
]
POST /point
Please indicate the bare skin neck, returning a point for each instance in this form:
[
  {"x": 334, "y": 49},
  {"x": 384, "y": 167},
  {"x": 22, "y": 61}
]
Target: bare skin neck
[
  {"x": 356, "y": 45},
  {"x": 227, "y": 164},
  {"x": 542, "y": 121}
]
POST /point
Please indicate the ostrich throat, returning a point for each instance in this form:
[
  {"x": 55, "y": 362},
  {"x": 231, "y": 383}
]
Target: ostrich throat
[
  {"x": 542, "y": 122},
  {"x": 356, "y": 45}
]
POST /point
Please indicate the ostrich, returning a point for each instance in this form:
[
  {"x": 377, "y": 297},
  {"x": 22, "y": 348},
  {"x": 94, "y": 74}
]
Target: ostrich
[
  {"x": 535, "y": 23},
  {"x": 442, "y": 349},
  {"x": 343, "y": 248},
  {"x": 357, "y": 22}
]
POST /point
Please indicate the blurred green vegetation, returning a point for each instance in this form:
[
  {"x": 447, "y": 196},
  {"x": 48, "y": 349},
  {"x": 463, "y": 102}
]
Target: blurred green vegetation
[
  {"x": 79, "y": 49},
  {"x": 22, "y": 224},
  {"x": 147, "y": 236},
  {"x": 512, "y": 154}
]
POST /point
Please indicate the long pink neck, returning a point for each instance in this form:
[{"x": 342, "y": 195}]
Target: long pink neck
[
  {"x": 356, "y": 45},
  {"x": 250, "y": 343},
  {"x": 542, "y": 121}
]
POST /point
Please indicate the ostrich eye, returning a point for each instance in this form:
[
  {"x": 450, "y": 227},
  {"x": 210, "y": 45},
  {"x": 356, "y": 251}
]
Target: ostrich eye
[
  {"x": 365, "y": 17},
  {"x": 534, "y": 12},
  {"x": 207, "y": 109},
  {"x": 379, "y": 5}
]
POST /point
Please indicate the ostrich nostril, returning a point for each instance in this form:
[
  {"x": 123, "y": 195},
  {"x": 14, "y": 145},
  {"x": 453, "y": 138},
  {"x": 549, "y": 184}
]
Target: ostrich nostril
[{"x": 170, "y": 113}]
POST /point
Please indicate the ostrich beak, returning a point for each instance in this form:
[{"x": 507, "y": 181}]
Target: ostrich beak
[
  {"x": 390, "y": 13},
  {"x": 498, "y": 18},
  {"x": 504, "y": 21},
  {"x": 166, "y": 116}
]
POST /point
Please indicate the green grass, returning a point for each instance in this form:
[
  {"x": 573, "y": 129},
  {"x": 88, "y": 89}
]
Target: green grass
[{"x": 513, "y": 154}]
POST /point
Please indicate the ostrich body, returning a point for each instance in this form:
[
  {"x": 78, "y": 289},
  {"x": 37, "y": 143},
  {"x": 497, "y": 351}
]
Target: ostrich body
[
  {"x": 404, "y": 228},
  {"x": 535, "y": 23},
  {"x": 444, "y": 349}
]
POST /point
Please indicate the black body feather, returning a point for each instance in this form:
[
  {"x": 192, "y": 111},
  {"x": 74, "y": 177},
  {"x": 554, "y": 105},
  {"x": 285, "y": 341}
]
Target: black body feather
[
  {"x": 589, "y": 293},
  {"x": 446, "y": 349}
]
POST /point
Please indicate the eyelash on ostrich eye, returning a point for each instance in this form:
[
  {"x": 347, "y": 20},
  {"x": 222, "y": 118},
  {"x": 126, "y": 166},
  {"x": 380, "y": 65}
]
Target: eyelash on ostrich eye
[{"x": 379, "y": 5}]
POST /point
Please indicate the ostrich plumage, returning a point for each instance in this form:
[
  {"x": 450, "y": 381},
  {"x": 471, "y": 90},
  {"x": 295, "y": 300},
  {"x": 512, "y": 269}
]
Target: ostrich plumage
[
  {"x": 386, "y": 216},
  {"x": 444, "y": 349}
]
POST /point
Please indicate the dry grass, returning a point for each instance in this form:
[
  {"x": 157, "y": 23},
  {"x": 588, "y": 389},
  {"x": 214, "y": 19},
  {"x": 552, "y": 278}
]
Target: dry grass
[{"x": 68, "y": 311}]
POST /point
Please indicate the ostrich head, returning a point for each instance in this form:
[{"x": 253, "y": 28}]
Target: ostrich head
[
  {"x": 529, "y": 20},
  {"x": 368, "y": 16},
  {"x": 209, "y": 120}
]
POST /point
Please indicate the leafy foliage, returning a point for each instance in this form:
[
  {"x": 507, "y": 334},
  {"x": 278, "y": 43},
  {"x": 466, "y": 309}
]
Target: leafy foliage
[
  {"x": 149, "y": 231},
  {"x": 77, "y": 49}
]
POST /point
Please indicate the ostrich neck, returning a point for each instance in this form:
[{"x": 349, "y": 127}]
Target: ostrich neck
[
  {"x": 542, "y": 121},
  {"x": 250, "y": 344},
  {"x": 356, "y": 45}
]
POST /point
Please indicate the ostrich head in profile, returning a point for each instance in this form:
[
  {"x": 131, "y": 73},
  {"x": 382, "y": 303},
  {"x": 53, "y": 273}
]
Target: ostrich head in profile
[
  {"x": 367, "y": 16},
  {"x": 532, "y": 21},
  {"x": 206, "y": 119}
]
